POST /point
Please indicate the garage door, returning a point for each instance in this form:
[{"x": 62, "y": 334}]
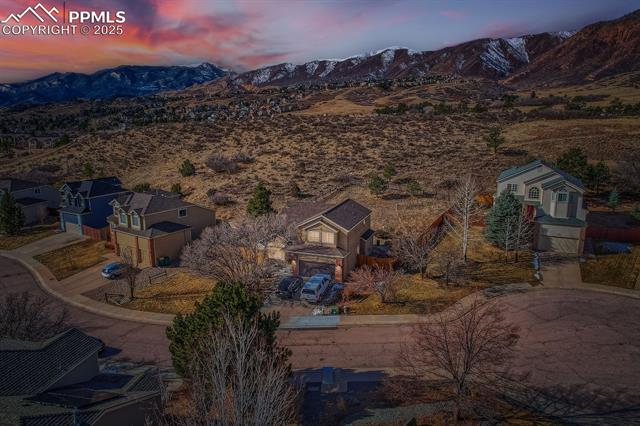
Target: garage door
[
  {"x": 558, "y": 244},
  {"x": 308, "y": 269},
  {"x": 73, "y": 228}
]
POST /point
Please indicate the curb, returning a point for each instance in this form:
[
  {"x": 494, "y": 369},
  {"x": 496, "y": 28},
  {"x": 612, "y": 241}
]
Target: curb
[{"x": 125, "y": 314}]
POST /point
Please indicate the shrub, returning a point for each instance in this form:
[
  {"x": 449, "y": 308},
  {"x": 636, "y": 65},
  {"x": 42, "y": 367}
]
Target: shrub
[
  {"x": 88, "y": 170},
  {"x": 260, "y": 202},
  {"x": 243, "y": 157},
  {"x": 187, "y": 168},
  {"x": 220, "y": 199},
  {"x": 142, "y": 187},
  {"x": 414, "y": 188},
  {"x": 377, "y": 185},
  {"x": 219, "y": 163},
  {"x": 389, "y": 171},
  {"x": 176, "y": 188}
]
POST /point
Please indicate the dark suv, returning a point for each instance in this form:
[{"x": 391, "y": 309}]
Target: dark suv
[{"x": 289, "y": 286}]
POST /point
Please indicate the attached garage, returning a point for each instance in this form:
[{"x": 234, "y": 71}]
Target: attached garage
[
  {"x": 309, "y": 267},
  {"x": 70, "y": 223},
  {"x": 33, "y": 209},
  {"x": 560, "y": 238}
]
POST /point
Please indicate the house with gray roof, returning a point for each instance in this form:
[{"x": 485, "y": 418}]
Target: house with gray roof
[
  {"x": 155, "y": 225},
  {"x": 332, "y": 237},
  {"x": 58, "y": 382},
  {"x": 84, "y": 206},
  {"x": 35, "y": 199},
  {"x": 556, "y": 202}
]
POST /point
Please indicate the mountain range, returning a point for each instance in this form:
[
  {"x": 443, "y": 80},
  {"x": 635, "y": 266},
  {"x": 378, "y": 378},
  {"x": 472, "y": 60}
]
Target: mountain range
[{"x": 598, "y": 50}]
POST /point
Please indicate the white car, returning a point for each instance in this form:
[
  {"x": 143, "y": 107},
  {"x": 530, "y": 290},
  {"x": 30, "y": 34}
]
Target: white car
[{"x": 315, "y": 288}]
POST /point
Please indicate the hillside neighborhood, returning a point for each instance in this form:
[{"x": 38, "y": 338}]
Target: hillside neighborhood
[{"x": 301, "y": 234}]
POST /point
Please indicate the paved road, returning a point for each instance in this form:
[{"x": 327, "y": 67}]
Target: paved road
[
  {"x": 567, "y": 336},
  {"x": 129, "y": 340}
]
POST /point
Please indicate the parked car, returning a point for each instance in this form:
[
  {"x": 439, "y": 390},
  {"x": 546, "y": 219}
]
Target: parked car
[
  {"x": 333, "y": 295},
  {"x": 112, "y": 270},
  {"x": 289, "y": 286},
  {"x": 315, "y": 288}
]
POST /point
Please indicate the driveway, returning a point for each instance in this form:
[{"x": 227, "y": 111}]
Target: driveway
[{"x": 127, "y": 340}]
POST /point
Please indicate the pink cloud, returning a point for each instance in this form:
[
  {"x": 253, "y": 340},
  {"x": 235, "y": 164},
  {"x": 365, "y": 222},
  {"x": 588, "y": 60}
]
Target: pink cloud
[
  {"x": 498, "y": 29},
  {"x": 453, "y": 13}
]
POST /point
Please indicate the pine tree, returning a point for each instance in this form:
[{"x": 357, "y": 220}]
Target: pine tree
[
  {"x": 574, "y": 162},
  {"x": 597, "y": 175},
  {"x": 501, "y": 218},
  {"x": 494, "y": 139},
  {"x": 230, "y": 299},
  {"x": 260, "y": 202},
  {"x": 11, "y": 216},
  {"x": 187, "y": 168},
  {"x": 377, "y": 185}
]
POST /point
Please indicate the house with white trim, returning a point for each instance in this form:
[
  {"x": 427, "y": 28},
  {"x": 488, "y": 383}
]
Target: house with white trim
[{"x": 556, "y": 202}]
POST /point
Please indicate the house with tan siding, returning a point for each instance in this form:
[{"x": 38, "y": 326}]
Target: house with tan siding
[
  {"x": 556, "y": 202},
  {"x": 332, "y": 237},
  {"x": 156, "y": 224}
]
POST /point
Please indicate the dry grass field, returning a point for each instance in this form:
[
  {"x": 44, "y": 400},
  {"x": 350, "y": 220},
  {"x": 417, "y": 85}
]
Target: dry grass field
[
  {"x": 72, "y": 259},
  {"x": 335, "y": 144},
  {"x": 36, "y": 233}
]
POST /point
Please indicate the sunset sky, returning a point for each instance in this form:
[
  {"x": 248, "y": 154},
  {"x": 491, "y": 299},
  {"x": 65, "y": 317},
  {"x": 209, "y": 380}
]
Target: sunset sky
[{"x": 241, "y": 35}]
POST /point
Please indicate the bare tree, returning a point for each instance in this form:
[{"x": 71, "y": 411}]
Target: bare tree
[
  {"x": 630, "y": 168},
  {"x": 130, "y": 270},
  {"x": 448, "y": 263},
  {"x": 412, "y": 249},
  {"x": 380, "y": 280},
  {"x": 26, "y": 317},
  {"x": 507, "y": 237},
  {"x": 522, "y": 232},
  {"x": 238, "y": 254},
  {"x": 238, "y": 378},
  {"x": 464, "y": 212},
  {"x": 468, "y": 347}
]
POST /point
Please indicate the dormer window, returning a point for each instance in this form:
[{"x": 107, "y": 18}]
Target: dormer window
[
  {"x": 563, "y": 197},
  {"x": 135, "y": 220},
  {"x": 36, "y": 191},
  {"x": 534, "y": 193},
  {"x": 313, "y": 236},
  {"x": 123, "y": 218},
  {"x": 182, "y": 213}
]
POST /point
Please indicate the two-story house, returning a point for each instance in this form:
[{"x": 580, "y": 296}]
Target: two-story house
[
  {"x": 35, "y": 199},
  {"x": 556, "y": 201},
  {"x": 58, "y": 382},
  {"x": 84, "y": 206},
  {"x": 156, "y": 224},
  {"x": 332, "y": 237}
]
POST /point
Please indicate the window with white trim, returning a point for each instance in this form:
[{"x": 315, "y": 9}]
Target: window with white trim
[
  {"x": 328, "y": 238},
  {"x": 135, "y": 220},
  {"x": 534, "y": 193},
  {"x": 563, "y": 197},
  {"x": 313, "y": 236},
  {"x": 123, "y": 218},
  {"x": 512, "y": 187}
]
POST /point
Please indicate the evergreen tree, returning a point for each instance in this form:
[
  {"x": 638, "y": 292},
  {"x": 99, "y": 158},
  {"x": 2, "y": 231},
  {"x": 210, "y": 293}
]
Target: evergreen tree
[
  {"x": 574, "y": 162},
  {"x": 142, "y": 187},
  {"x": 503, "y": 214},
  {"x": 494, "y": 139},
  {"x": 260, "y": 202},
  {"x": 414, "y": 188},
  {"x": 230, "y": 299},
  {"x": 11, "y": 217},
  {"x": 614, "y": 199},
  {"x": 88, "y": 170},
  {"x": 377, "y": 185},
  {"x": 176, "y": 188},
  {"x": 187, "y": 168},
  {"x": 597, "y": 175}
]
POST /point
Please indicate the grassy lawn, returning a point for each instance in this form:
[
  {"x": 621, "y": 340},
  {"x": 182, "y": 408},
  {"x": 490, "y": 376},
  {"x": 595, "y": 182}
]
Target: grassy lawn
[
  {"x": 70, "y": 260},
  {"x": 177, "y": 294},
  {"x": 485, "y": 268},
  {"x": 617, "y": 270},
  {"x": 26, "y": 237}
]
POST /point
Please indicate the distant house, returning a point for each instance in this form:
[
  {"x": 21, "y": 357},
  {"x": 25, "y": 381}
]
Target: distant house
[
  {"x": 58, "y": 382},
  {"x": 556, "y": 201},
  {"x": 85, "y": 206},
  {"x": 332, "y": 237},
  {"x": 35, "y": 199},
  {"x": 156, "y": 224}
]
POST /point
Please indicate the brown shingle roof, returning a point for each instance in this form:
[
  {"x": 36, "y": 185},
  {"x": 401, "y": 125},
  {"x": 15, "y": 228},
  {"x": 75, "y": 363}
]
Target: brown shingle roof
[{"x": 347, "y": 214}]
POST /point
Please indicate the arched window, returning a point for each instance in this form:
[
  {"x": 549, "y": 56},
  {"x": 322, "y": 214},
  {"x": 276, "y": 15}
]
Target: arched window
[{"x": 534, "y": 193}]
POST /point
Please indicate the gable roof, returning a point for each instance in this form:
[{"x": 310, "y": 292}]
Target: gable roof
[
  {"x": 514, "y": 171},
  {"x": 95, "y": 187},
  {"x": 11, "y": 184},
  {"x": 31, "y": 367},
  {"x": 150, "y": 202},
  {"x": 347, "y": 214},
  {"x": 299, "y": 211},
  {"x": 28, "y": 201}
]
